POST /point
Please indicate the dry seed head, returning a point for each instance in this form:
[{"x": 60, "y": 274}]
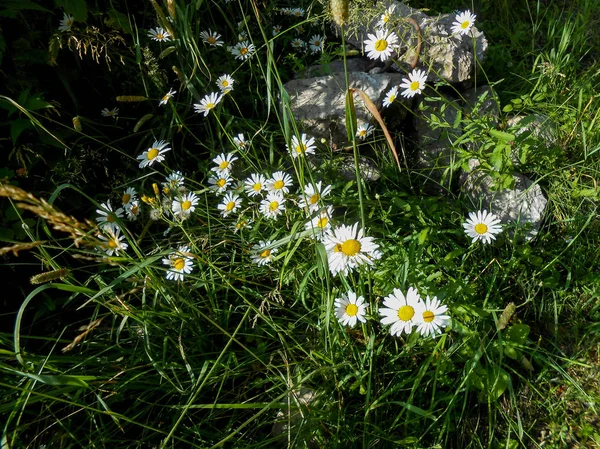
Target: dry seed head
[
  {"x": 77, "y": 124},
  {"x": 131, "y": 98},
  {"x": 20, "y": 247},
  {"x": 339, "y": 11},
  {"x": 171, "y": 9},
  {"x": 48, "y": 276},
  {"x": 507, "y": 314}
]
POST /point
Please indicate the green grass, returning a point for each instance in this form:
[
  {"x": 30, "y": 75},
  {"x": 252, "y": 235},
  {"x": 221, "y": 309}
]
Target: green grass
[{"x": 112, "y": 354}]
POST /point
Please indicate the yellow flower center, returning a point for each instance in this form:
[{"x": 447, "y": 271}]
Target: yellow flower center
[
  {"x": 152, "y": 153},
  {"x": 266, "y": 253},
  {"x": 209, "y": 106},
  {"x": 135, "y": 210},
  {"x": 465, "y": 24},
  {"x": 313, "y": 199},
  {"x": 221, "y": 182},
  {"x": 351, "y": 310},
  {"x": 186, "y": 205},
  {"x": 211, "y": 40},
  {"x": 257, "y": 187},
  {"x": 481, "y": 228},
  {"x": 278, "y": 184},
  {"x": 317, "y": 43},
  {"x": 241, "y": 224},
  {"x": 381, "y": 45},
  {"x": 243, "y": 51},
  {"x": 273, "y": 206},
  {"x": 322, "y": 222},
  {"x": 223, "y": 165},
  {"x": 224, "y": 83},
  {"x": 160, "y": 36},
  {"x": 428, "y": 316},
  {"x": 112, "y": 244},
  {"x": 386, "y": 18},
  {"x": 405, "y": 313},
  {"x": 363, "y": 132},
  {"x": 414, "y": 85},
  {"x": 166, "y": 98},
  {"x": 230, "y": 206},
  {"x": 126, "y": 198},
  {"x": 110, "y": 218},
  {"x": 300, "y": 148},
  {"x": 178, "y": 264},
  {"x": 391, "y": 100},
  {"x": 351, "y": 247}
]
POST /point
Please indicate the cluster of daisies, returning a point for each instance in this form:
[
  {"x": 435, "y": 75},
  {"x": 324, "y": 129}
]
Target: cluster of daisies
[
  {"x": 384, "y": 43},
  {"x": 403, "y": 312}
]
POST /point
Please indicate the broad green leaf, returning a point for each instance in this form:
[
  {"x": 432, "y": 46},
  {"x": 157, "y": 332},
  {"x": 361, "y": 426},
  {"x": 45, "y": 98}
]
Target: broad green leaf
[
  {"x": 517, "y": 333},
  {"x": 502, "y": 136}
]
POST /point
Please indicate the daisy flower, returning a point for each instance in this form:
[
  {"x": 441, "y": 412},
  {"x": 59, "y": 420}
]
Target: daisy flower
[
  {"x": 129, "y": 196},
  {"x": 207, "y": 103},
  {"x": 225, "y": 83},
  {"x": 107, "y": 217},
  {"x": 165, "y": 99},
  {"x": 114, "y": 112},
  {"x": 434, "y": 317},
  {"x": 180, "y": 264},
  {"x": 224, "y": 163},
  {"x": 219, "y": 183},
  {"x": 316, "y": 43},
  {"x": 312, "y": 195},
  {"x": 297, "y": 12},
  {"x": 255, "y": 184},
  {"x": 347, "y": 249},
  {"x": 279, "y": 182},
  {"x": 242, "y": 50},
  {"x": 414, "y": 84},
  {"x": 261, "y": 255},
  {"x": 184, "y": 207},
  {"x": 297, "y": 43},
  {"x": 387, "y": 15},
  {"x": 364, "y": 130},
  {"x": 464, "y": 23},
  {"x": 173, "y": 182},
  {"x": 240, "y": 142},
  {"x": 276, "y": 30},
  {"x": 242, "y": 223},
  {"x": 273, "y": 205},
  {"x": 66, "y": 23},
  {"x": 154, "y": 153},
  {"x": 231, "y": 203},
  {"x": 158, "y": 34},
  {"x": 303, "y": 146},
  {"x": 211, "y": 38},
  {"x": 112, "y": 241},
  {"x": 390, "y": 96},
  {"x": 133, "y": 210},
  {"x": 483, "y": 226},
  {"x": 320, "y": 223},
  {"x": 402, "y": 311},
  {"x": 381, "y": 44},
  {"x": 349, "y": 309}
]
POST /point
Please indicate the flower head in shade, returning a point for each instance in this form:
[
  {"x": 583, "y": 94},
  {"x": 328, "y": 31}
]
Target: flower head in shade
[
  {"x": 183, "y": 207},
  {"x": 225, "y": 83},
  {"x": 165, "y": 99},
  {"x": 66, "y": 23},
  {"x": 173, "y": 182},
  {"x": 107, "y": 217},
  {"x": 112, "y": 241},
  {"x": 240, "y": 142},
  {"x": 261, "y": 254},
  {"x": 402, "y": 312},
  {"x": 279, "y": 182},
  {"x": 243, "y": 50},
  {"x": 387, "y": 16},
  {"x": 349, "y": 309},
  {"x": 129, "y": 196},
  {"x": 364, "y": 130},
  {"x": 316, "y": 43},
  {"x": 302, "y": 146},
  {"x": 276, "y": 30},
  {"x": 414, "y": 84},
  {"x": 298, "y": 43},
  {"x": 230, "y": 204},
  {"x": 381, "y": 44},
  {"x": 154, "y": 154},
  {"x": 482, "y": 226},
  {"x": 464, "y": 23},
  {"x": 347, "y": 248},
  {"x": 133, "y": 210},
  {"x": 208, "y": 103},
  {"x": 433, "y": 317},
  {"x": 224, "y": 163},
  {"x": 312, "y": 196},
  {"x": 179, "y": 263},
  {"x": 211, "y": 38},
  {"x": 114, "y": 112},
  {"x": 219, "y": 182},
  {"x": 159, "y": 34},
  {"x": 320, "y": 224},
  {"x": 273, "y": 205},
  {"x": 255, "y": 184},
  {"x": 390, "y": 96}
]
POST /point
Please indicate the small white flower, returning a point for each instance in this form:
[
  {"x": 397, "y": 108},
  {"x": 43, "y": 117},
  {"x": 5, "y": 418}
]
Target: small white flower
[
  {"x": 224, "y": 163},
  {"x": 320, "y": 223},
  {"x": 434, "y": 317},
  {"x": 316, "y": 43},
  {"x": 303, "y": 146},
  {"x": 312, "y": 196},
  {"x": 349, "y": 309},
  {"x": 154, "y": 154},
  {"x": 242, "y": 223},
  {"x": 347, "y": 249},
  {"x": 66, "y": 23},
  {"x": 390, "y": 96},
  {"x": 273, "y": 205},
  {"x": 279, "y": 182},
  {"x": 364, "y": 130},
  {"x": 261, "y": 255},
  {"x": 112, "y": 241},
  {"x": 297, "y": 12},
  {"x": 165, "y": 99},
  {"x": 225, "y": 83},
  {"x": 230, "y": 204},
  {"x": 211, "y": 38},
  {"x": 159, "y": 34},
  {"x": 180, "y": 264},
  {"x": 298, "y": 43},
  {"x": 256, "y": 184},
  {"x": 243, "y": 50},
  {"x": 107, "y": 217},
  {"x": 207, "y": 103},
  {"x": 114, "y": 112},
  {"x": 414, "y": 84},
  {"x": 173, "y": 182},
  {"x": 402, "y": 312},
  {"x": 240, "y": 142},
  {"x": 482, "y": 226},
  {"x": 464, "y": 23},
  {"x": 219, "y": 183},
  {"x": 129, "y": 196},
  {"x": 387, "y": 16},
  {"x": 276, "y": 30},
  {"x": 184, "y": 207},
  {"x": 133, "y": 210},
  {"x": 381, "y": 44}
]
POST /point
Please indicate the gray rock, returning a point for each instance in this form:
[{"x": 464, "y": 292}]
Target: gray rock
[
  {"x": 524, "y": 205},
  {"x": 367, "y": 168},
  {"x": 353, "y": 64},
  {"x": 481, "y": 101},
  {"x": 320, "y": 103}
]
